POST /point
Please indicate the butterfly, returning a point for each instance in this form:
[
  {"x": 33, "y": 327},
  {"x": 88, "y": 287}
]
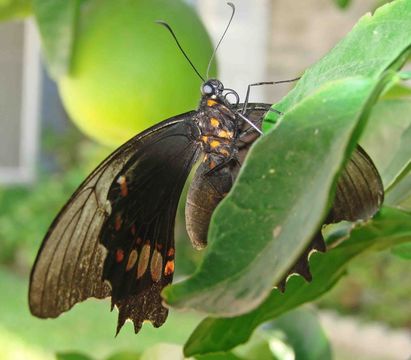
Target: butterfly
[{"x": 115, "y": 235}]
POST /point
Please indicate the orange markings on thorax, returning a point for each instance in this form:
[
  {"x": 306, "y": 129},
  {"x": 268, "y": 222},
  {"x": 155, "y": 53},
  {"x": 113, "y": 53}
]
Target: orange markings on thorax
[
  {"x": 214, "y": 144},
  {"x": 214, "y": 122},
  {"x": 225, "y": 134}
]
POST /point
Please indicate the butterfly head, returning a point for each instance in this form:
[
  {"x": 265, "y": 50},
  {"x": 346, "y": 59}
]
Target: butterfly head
[{"x": 212, "y": 88}]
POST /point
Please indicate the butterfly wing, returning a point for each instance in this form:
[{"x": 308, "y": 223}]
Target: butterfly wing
[{"x": 77, "y": 253}]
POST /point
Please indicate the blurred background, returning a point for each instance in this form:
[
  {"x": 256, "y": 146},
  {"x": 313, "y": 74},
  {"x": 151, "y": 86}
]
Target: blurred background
[{"x": 44, "y": 156}]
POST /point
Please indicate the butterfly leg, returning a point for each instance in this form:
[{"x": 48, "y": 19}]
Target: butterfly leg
[{"x": 247, "y": 96}]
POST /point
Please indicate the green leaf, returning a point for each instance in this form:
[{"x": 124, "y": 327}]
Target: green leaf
[
  {"x": 304, "y": 333},
  {"x": 398, "y": 91},
  {"x": 400, "y": 195},
  {"x": 387, "y": 139},
  {"x": 405, "y": 75},
  {"x": 343, "y": 4},
  {"x": 57, "y": 21},
  {"x": 389, "y": 227},
  {"x": 278, "y": 202},
  {"x": 219, "y": 356},
  {"x": 124, "y": 356},
  {"x": 162, "y": 351},
  {"x": 376, "y": 43},
  {"x": 14, "y": 9},
  {"x": 403, "y": 251},
  {"x": 72, "y": 356}
]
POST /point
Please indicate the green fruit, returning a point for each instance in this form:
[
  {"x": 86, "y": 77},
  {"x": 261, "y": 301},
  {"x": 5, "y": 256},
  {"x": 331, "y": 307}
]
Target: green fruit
[{"x": 127, "y": 72}]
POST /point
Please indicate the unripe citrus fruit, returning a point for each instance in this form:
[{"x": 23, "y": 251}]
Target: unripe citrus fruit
[{"x": 127, "y": 72}]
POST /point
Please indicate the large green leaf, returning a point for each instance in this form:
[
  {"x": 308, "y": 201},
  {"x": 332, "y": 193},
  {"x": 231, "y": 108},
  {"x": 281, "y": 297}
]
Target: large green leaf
[
  {"x": 57, "y": 21},
  {"x": 265, "y": 223},
  {"x": 388, "y": 228}
]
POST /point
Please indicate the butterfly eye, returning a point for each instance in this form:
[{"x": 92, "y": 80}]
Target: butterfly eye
[{"x": 207, "y": 89}]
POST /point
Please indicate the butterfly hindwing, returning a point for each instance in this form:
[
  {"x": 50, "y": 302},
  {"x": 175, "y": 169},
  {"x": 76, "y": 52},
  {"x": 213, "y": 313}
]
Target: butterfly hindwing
[
  {"x": 139, "y": 233},
  {"x": 69, "y": 265}
]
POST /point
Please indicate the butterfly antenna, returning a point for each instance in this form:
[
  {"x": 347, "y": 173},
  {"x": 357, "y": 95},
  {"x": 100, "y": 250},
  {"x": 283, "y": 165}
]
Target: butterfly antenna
[
  {"x": 222, "y": 37},
  {"x": 168, "y": 27}
]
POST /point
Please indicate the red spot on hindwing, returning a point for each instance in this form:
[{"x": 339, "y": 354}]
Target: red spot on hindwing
[
  {"x": 170, "y": 252},
  {"x": 118, "y": 221},
  {"x": 169, "y": 268},
  {"x": 119, "y": 255}
]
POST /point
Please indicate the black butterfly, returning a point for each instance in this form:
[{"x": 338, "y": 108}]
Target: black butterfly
[{"x": 115, "y": 236}]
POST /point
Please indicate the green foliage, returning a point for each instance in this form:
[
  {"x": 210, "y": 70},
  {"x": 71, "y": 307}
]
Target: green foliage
[
  {"x": 373, "y": 290},
  {"x": 27, "y": 211},
  {"x": 388, "y": 228},
  {"x": 306, "y": 345},
  {"x": 343, "y": 4},
  {"x": 403, "y": 251},
  {"x": 19, "y": 234},
  {"x": 14, "y": 9},
  {"x": 72, "y": 356}
]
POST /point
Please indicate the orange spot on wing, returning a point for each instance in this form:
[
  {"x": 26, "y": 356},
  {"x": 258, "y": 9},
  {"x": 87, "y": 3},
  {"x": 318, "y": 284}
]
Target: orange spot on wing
[
  {"x": 204, "y": 139},
  {"x": 170, "y": 252},
  {"x": 169, "y": 268},
  {"x": 119, "y": 255},
  {"x": 212, "y": 164},
  {"x": 122, "y": 181},
  {"x": 211, "y": 102}
]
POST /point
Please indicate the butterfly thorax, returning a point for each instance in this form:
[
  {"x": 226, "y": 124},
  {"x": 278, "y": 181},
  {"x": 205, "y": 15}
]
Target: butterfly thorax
[{"x": 218, "y": 129}]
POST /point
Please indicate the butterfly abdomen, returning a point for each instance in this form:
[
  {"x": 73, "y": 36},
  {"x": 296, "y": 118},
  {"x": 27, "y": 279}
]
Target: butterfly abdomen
[{"x": 206, "y": 191}]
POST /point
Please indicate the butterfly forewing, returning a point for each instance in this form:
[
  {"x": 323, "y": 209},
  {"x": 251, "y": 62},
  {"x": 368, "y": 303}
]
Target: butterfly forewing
[{"x": 70, "y": 262}]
